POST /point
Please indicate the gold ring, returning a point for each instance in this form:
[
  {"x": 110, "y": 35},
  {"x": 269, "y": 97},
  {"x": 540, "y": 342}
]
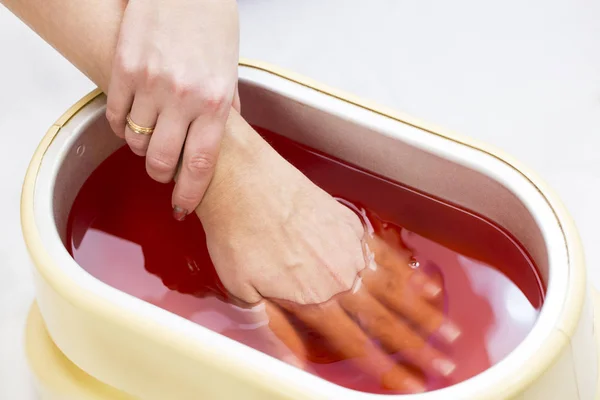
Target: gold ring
[{"x": 137, "y": 128}]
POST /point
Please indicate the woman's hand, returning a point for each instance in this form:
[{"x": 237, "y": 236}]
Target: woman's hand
[
  {"x": 272, "y": 234},
  {"x": 175, "y": 69}
]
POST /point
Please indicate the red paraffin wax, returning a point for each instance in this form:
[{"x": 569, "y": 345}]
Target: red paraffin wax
[{"x": 121, "y": 231}]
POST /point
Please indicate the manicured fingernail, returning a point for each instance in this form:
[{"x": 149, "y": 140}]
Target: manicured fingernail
[
  {"x": 443, "y": 366},
  {"x": 425, "y": 285},
  {"x": 406, "y": 384},
  {"x": 295, "y": 361},
  {"x": 432, "y": 290},
  {"x": 449, "y": 331},
  {"x": 179, "y": 213},
  {"x": 414, "y": 386}
]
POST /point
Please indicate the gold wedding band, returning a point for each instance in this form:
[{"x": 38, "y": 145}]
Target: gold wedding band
[{"x": 137, "y": 128}]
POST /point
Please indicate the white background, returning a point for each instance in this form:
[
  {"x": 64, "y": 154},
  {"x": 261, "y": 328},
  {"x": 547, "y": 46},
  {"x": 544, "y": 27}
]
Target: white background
[{"x": 521, "y": 75}]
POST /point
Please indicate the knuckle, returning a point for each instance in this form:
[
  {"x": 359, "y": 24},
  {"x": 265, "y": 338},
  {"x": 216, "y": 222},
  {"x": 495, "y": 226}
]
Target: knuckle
[
  {"x": 210, "y": 97},
  {"x": 214, "y": 99},
  {"x": 153, "y": 77},
  {"x": 145, "y": 72},
  {"x": 127, "y": 67},
  {"x": 201, "y": 163},
  {"x": 184, "y": 89},
  {"x": 161, "y": 164},
  {"x": 189, "y": 197},
  {"x": 137, "y": 142}
]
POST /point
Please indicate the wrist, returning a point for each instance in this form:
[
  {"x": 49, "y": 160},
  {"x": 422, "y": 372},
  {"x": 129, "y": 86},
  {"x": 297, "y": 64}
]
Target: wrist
[{"x": 242, "y": 152}]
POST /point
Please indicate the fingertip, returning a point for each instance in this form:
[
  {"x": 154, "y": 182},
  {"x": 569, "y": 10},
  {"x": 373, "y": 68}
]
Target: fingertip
[
  {"x": 119, "y": 133},
  {"x": 444, "y": 366},
  {"x": 399, "y": 379},
  {"x": 429, "y": 288},
  {"x": 184, "y": 200},
  {"x": 137, "y": 152},
  {"x": 179, "y": 213},
  {"x": 449, "y": 331},
  {"x": 186, "y": 197},
  {"x": 432, "y": 290},
  {"x": 415, "y": 386}
]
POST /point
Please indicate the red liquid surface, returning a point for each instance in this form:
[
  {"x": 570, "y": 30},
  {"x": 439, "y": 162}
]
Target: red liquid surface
[{"x": 121, "y": 231}]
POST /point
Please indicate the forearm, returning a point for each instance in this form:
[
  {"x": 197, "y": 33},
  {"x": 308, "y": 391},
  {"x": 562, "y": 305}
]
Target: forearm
[{"x": 86, "y": 33}]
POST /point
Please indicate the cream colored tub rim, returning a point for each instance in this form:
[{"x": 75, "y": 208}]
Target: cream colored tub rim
[
  {"x": 64, "y": 378},
  {"x": 537, "y": 365}
]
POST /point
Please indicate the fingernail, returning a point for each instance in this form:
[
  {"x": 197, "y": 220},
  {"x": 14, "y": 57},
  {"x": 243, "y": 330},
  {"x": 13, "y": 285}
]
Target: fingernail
[
  {"x": 295, "y": 361},
  {"x": 405, "y": 384},
  {"x": 425, "y": 286},
  {"x": 414, "y": 386},
  {"x": 449, "y": 331},
  {"x": 444, "y": 366},
  {"x": 179, "y": 213},
  {"x": 432, "y": 290}
]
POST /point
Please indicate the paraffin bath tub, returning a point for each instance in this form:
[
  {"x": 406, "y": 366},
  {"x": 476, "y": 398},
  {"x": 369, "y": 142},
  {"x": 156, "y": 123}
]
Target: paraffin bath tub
[{"x": 103, "y": 343}]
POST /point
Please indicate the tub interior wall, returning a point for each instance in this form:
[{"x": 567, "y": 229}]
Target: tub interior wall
[
  {"x": 89, "y": 147},
  {"x": 342, "y": 138}
]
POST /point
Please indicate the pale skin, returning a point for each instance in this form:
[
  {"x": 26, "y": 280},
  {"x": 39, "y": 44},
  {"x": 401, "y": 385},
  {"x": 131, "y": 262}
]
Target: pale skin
[
  {"x": 175, "y": 69},
  {"x": 272, "y": 234}
]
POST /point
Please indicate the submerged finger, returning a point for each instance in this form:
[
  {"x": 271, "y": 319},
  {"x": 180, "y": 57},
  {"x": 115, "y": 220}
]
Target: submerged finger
[
  {"x": 282, "y": 328},
  {"x": 200, "y": 153},
  {"x": 395, "y": 295},
  {"x": 394, "y": 334},
  {"x": 347, "y": 338},
  {"x": 162, "y": 156},
  {"x": 264, "y": 327}
]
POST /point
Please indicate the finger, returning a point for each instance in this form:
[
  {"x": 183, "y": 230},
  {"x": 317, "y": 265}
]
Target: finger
[
  {"x": 143, "y": 113},
  {"x": 399, "y": 297},
  {"x": 342, "y": 333},
  {"x": 118, "y": 103},
  {"x": 394, "y": 334},
  {"x": 398, "y": 260},
  {"x": 199, "y": 158},
  {"x": 282, "y": 328},
  {"x": 237, "y": 104},
  {"x": 264, "y": 327},
  {"x": 166, "y": 145}
]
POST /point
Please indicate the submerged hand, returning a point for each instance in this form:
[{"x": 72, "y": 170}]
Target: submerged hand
[
  {"x": 394, "y": 305},
  {"x": 175, "y": 69},
  {"x": 272, "y": 234}
]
